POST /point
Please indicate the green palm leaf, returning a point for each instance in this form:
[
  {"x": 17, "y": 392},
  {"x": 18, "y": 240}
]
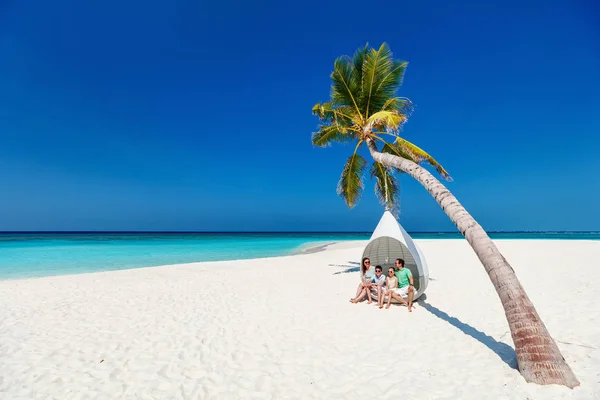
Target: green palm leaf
[
  {"x": 341, "y": 115},
  {"x": 351, "y": 184},
  {"x": 345, "y": 89},
  {"x": 389, "y": 83},
  {"x": 397, "y": 151},
  {"x": 331, "y": 133},
  {"x": 358, "y": 60},
  {"x": 376, "y": 67},
  {"x": 401, "y": 104},
  {"x": 419, "y": 155},
  {"x": 386, "y": 186},
  {"x": 388, "y": 120}
]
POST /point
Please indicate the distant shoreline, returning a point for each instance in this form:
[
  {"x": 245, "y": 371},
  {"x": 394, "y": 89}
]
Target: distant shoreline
[
  {"x": 313, "y": 248},
  {"x": 50, "y": 255}
]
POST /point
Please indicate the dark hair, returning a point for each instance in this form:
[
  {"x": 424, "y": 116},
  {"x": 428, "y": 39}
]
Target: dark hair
[
  {"x": 401, "y": 261},
  {"x": 363, "y": 267},
  {"x": 378, "y": 266}
]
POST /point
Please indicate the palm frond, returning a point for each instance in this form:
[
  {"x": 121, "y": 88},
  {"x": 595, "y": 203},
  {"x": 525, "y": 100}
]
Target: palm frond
[
  {"x": 318, "y": 110},
  {"x": 351, "y": 184},
  {"x": 401, "y": 104},
  {"x": 376, "y": 67},
  {"x": 332, "y": 133},
  {"x": 386, "y": 186},
  {"x": 341, "y": 115},
  {"x": 345, "y": 90},
  {"x": 419, "y": 155},
  {"x": 389, "y": 84},
  {"x": 358, "y": 60},
  {"x": 397, "y": 151},
  {"x": 388, "y": 120}
]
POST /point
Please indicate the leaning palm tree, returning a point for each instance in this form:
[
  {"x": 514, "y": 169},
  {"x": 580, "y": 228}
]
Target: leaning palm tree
[{"x": 363, "y": 108}]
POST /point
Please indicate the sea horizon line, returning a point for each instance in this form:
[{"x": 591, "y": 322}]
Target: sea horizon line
[{"x": 269, "y": 232}]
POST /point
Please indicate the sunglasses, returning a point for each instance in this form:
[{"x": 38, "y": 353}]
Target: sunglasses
[{"x": 367, "y": 262}]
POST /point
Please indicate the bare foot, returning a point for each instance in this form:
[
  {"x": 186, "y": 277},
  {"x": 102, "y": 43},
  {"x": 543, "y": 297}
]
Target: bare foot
[
  {"x": 387, "y": 306},
  {"x": 381, "y": 306},
  {"x": 369, "y": 302},
  {"x": 410, "y": 309}
]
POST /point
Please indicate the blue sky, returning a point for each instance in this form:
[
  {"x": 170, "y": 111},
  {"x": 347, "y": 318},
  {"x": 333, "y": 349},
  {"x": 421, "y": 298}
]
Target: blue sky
[{"x": 186, "y": 115}]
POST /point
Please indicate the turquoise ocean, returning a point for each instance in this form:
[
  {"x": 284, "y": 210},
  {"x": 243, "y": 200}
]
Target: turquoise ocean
[{"x": 25, "y": 255}]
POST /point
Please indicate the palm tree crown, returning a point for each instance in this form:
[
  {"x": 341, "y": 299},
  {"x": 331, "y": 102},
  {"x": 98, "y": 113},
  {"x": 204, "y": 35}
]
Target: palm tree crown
[{"x": 364, "y": 106}]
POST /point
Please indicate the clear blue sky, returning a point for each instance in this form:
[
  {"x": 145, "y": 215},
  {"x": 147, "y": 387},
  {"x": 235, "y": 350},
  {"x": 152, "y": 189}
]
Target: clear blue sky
[{"x": 195, "y": 115}]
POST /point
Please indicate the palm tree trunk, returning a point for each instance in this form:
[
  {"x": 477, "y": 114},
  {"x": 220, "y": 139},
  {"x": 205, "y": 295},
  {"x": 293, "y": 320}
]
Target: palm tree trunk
[{"x": 538, "y": 356}]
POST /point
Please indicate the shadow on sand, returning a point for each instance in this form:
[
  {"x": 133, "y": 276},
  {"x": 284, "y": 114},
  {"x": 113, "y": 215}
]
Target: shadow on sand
[
  {"x": 504, "y": 351},
  {"x": 352, "y": 266}
]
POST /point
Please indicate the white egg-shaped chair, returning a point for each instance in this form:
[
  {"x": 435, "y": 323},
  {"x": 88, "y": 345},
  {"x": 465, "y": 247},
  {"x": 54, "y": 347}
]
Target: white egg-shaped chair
[{"x": 390, "y": 241}]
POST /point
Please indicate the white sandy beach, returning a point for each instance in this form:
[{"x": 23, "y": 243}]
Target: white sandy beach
[{"x": 282, "y": 328}]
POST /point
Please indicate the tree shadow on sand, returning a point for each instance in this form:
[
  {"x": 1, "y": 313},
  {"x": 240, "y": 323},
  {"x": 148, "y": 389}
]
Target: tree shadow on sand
[
  {"x": 504, "y": 351},
  {"x": 352, "y": 266}
]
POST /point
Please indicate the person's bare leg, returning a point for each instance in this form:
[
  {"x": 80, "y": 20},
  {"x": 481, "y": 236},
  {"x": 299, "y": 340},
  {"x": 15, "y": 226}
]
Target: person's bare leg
[
  {"x": 369, "y": 295},
  {"x": 402, "y": 300},
  {"x": 361, "y": 296},
  {"x": 380, "y": 297},
  {"x": 390, "y": 295},
  {"x": 358, "y": 290},
  {"x": 411, "y": 293},
  {"x": 399, "y": 298}
]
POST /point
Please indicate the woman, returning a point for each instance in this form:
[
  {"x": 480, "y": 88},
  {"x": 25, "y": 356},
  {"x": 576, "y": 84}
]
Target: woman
[{"x": 366, "y": 274}]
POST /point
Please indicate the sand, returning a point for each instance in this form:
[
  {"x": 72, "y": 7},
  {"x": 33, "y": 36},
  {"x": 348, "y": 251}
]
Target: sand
[{"x": 282, "y": 328}]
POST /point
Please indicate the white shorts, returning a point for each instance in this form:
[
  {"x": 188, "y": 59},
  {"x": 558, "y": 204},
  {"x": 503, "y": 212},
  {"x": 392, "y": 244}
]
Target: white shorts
[{"x": 402, "y": 291}]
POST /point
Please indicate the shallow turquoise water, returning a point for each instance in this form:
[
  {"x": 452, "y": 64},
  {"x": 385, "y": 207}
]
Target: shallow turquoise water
[{"x": 33, "y": 255}]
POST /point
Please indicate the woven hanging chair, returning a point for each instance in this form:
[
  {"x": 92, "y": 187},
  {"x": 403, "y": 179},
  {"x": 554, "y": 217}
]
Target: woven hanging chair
[{"x": 390, "y": 241}]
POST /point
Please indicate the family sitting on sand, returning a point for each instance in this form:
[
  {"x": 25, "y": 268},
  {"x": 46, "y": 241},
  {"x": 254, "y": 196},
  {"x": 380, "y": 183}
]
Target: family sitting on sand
[{"x": 398, "y": 283}]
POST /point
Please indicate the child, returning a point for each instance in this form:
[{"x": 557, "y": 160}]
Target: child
[
  {"x": 391, "y": 283},
  {"x": 375, "y": 283}
]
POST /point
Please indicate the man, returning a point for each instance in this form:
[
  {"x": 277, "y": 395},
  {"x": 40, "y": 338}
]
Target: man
[
  {"x": 405, "y": 282},
  {"x": 376, "y": 283}
]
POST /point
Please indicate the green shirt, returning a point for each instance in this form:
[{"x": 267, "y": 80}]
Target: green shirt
[{"x": 402, "y": 275}]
